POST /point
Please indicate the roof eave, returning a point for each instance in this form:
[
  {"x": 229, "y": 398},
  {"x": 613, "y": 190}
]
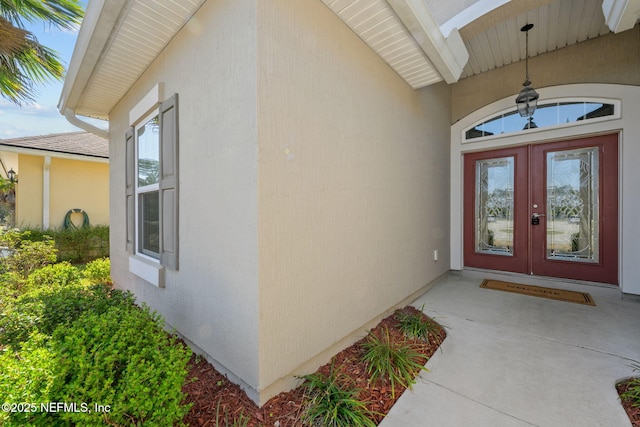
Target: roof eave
[
  {"x": 101, "y": 17},
  {"x": 448, "y": 55},
  {"x": 621, "y": 15}
]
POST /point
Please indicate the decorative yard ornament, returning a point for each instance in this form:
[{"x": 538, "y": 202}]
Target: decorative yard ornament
[{"x": 527, "y": 100}]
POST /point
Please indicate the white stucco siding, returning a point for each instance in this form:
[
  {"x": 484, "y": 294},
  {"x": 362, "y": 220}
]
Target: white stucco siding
[
  {"x": 213, "y": 299},
  {"x": 353, "y": 185}
]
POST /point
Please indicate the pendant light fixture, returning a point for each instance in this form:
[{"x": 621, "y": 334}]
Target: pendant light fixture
[{"x": 527, "y": 100}]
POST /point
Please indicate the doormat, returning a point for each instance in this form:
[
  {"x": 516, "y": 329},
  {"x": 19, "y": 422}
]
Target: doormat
[{"x": 539, "y": 291}]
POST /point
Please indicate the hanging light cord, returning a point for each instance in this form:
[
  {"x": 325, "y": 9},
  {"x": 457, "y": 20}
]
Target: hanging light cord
[{"x": 526, "y": 29}]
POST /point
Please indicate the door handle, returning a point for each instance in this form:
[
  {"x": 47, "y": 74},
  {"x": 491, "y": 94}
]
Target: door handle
[{"x": 535, "y": 218}]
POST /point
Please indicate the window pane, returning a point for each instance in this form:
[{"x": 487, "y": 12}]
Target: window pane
[
  {"x": 494, "y": 206},
  {"x": 150, "y": 224},
  {"x": 149, "y": 153},
  {"x": 572, "y": 205},
  {"x": 545, "y": 115}
]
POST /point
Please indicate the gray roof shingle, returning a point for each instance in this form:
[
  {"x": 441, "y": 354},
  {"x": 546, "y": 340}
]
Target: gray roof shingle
[{"x": 79, "y": 143}]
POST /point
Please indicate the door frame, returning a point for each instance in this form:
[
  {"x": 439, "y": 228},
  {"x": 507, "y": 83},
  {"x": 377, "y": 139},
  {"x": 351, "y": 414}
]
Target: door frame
[
  {"x": 529, "y": 245},
  {"x": 624, "y": 122}
]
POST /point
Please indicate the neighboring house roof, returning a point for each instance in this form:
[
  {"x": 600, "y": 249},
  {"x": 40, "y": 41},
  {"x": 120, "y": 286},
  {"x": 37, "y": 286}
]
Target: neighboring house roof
[{"x": 83, "y": 144}]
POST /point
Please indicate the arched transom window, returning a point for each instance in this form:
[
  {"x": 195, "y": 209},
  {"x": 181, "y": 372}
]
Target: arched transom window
[{"x": 556, "y": 113}]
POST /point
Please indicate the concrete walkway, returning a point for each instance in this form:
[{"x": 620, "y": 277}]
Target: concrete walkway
[{"x": 515, "y": 360}]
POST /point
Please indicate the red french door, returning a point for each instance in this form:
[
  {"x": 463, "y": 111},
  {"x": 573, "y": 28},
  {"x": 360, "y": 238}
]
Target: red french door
[{"x": 545, "y": 209}]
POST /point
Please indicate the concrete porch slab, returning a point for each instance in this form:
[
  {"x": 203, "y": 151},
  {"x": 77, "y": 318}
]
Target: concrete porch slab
[{"x": 516, "y": 360}]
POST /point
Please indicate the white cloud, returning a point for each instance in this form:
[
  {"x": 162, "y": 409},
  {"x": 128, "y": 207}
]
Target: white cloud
[{"x": 32, "y": 120}]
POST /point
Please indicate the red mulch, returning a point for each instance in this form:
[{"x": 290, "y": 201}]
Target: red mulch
[
  {"x": 212, "y": 393},
  {"x": 632, "y": 411}
]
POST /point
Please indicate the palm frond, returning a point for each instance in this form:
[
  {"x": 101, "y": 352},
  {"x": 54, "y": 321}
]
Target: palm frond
[
  {"x": 60, "y": 13},
  {"x": 12, "y": 38}
]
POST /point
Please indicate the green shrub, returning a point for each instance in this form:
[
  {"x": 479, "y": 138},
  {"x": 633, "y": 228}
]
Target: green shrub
[
  {"x": 26, "y": 256},
  {"x": 53, "y": 276},
  {"x": 332, "y": 404},
  {"x": 98, "y": 271},
  {"x": 123, "y": 359},
  {"x": 633, "y": 389},
  {"x": 45, "y": 309},
  {"x": 76, "y": 245},
  {"x": 26, "y": 377},
  {"x": 11, "y": 286},
  {"x": 633, "y": 392},
  {"x": 416, "y": 325},
  {"x": 397, "y": 362}
]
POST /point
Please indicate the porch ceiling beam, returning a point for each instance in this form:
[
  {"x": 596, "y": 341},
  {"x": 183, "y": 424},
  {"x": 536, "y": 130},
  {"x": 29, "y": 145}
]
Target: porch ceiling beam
[
  {"x": 448, "y": 55},
  {"x": 621, "y": 15}
]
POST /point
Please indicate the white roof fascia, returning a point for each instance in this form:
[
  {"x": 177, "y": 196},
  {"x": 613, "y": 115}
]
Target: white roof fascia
[
  {"x": 97, "y": 27},
  {"x": 448, "y": 55},
  {"x": 621, "y": 15},
  {"x": 470, "y": 14}
]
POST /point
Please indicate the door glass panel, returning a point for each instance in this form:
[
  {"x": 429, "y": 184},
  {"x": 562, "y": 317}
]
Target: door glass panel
[
  {"x": 572, "y": 205},
  {"x": 494, "y": 206}
]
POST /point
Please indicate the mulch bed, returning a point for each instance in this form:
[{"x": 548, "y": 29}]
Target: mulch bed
[
  {"x": 213, "y": 395},
  {"x": 632, "y": 411}
]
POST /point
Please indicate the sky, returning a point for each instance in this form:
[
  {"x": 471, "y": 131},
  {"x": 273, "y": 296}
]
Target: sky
[{"x": 41, "y": 117}]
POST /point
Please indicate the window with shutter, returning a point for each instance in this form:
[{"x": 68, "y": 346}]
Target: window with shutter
[{"x": 152, "y": 190}]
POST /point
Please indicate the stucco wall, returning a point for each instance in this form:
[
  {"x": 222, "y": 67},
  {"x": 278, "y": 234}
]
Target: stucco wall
[
  {"x": 212, "y": 299},
  {"x": 29, "y": 191},
  {"x": 353, "y": 185},
  {"x": 77, "y": 184},
  {"x": 313, "y": 186},
  {"x": 612, "y": 58},
  {"x": 72, "y": 184}
]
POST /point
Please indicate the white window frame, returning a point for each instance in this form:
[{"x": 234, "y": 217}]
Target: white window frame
[
  {"x": 147, "y": 266},
  {"x": 147, "y": 189}
]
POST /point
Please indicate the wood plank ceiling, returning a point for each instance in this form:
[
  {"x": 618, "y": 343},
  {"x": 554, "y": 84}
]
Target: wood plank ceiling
[
  {"x": 493, "y": 40},
  {"x": 557, "y": 24}
]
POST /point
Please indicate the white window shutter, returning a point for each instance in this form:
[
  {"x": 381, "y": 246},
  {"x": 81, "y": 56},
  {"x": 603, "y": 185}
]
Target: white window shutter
[{"x": 169, "y": 182}]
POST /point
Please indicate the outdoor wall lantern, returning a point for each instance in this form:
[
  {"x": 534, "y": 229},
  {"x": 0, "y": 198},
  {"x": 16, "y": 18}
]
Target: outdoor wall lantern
[
  {"x": 527, "y": 100},
  {"x": 12, "y": 176}
]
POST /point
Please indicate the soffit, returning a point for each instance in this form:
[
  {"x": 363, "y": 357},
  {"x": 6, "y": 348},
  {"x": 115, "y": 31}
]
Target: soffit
[
  {"x": 495, "y": 39},
  {"x": 490, "y": 30},
  {"x": 375, "y": 22},
  {"x": 142, "y": 31}
]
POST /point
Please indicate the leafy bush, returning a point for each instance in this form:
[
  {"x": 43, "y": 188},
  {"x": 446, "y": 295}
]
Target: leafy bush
[
  {"x": 11, "y": 286},
  {"x": 90, "y": 346},
  {"x": 45, "y": 309},
  {"x": 26, "y": 256},
  {"x": 79, "y": 245},
  {"x": 398, "y": 362},
  {"x": 98, "y": 271},
  {"x": 123, "y": 359},
  {"x": 53, "y": 276},
  {"x": 332, "y": 404},
  {"x": 26, "y": 377}
]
